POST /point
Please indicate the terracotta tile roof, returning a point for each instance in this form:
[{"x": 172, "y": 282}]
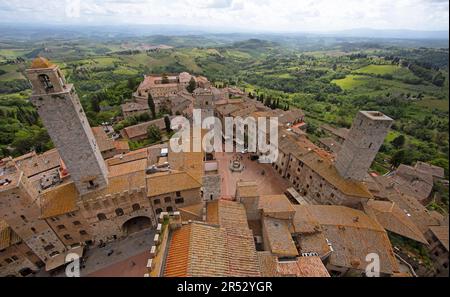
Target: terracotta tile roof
[
  {"x": 178, "y": 254},
  {"x": 441, "y": 232},
  {"x": 289, "y": 117},
  {"x": 227, "y": 109},
  {"x": 276, "y": 206},
  {"x": 435, "y": 171},
  {"x": 413, "y": 182},
  {"x": 301, "y": 267},
  {"x": 170, "y": 181},
  {"x": 190, "y": 162},
  {"x": 352, "y": 235},
  {"x": 128, "y": 157},
  {"x": 104, "y": 142},
  {"x": 325, "y": 168},
  {"x": 191, "y": 212},
  {"x": 126, "y": 168},
  {"x": 59, "y": 200},
  {"x": 418, "y": 213},
  {"x": 247, "y": 189},
  {"x": 331, "y": 144},
  {"x": 321, "y": 162},
  {"x": 134, "y": 106},
  {"x": 121, "y": 145},
  {"x": 231, "y": 216},
  {"x": 41, "y": 62},
  {"x": 140, "y": 130},
  {"x": 392, "y": 218},
  {"x": 340, "y": 132},
  {"x": 33, "y": 164},
  {"x": 199, "y": 250},
  {"x": 279, "y": 237}
]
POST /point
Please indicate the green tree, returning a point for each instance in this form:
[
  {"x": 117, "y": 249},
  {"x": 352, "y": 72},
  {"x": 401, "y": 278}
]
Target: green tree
[
  {"x": 400, "y": 157},
  {"x": 167, "y": 123},
  {"x": 192, "y": 85},
  {"x": 154, "y": 134},
  {"x": 151, "y": 105},
  {"x": 398, "y": 141}
]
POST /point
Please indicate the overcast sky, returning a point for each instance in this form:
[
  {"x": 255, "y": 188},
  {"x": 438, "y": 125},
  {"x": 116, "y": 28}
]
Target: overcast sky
[{"x": 259, "y": 15}]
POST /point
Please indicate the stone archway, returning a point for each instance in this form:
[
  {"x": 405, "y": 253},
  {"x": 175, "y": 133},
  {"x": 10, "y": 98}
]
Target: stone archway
[{"x": 136, "y": 224}]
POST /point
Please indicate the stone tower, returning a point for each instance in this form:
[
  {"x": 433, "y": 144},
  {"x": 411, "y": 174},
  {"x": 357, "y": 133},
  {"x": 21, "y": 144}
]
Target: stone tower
[
  {"x": 60, "y": 109},
  {"x": 20, "y": 208},
  {"x": 203, "y": 99},
  {"x": 362, "y": 144}
]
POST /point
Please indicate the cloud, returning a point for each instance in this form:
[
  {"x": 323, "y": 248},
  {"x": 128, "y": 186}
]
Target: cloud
[
  {"x": 264, "y": 15},
  {"x": 220, "y": 4}
]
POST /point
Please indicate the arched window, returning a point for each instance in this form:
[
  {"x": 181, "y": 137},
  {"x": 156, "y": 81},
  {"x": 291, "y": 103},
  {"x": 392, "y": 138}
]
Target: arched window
[
  {"x": 119, "y": 212},
  {"x": 101, "y": 217},
  {"x": 169, "y": 209},
  {"x": 167, "y": 199},
  {"x": 45, "y": 80},
  {"x": 158, "y": 210},
  {"x": 136, "y": 207}
]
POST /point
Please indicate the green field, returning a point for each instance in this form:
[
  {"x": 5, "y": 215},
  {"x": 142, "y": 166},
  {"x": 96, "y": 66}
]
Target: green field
[
  {"x": 379, "y": 69},
  {"x": 350, "y": 82},
  {"x": 442, "y": 105}
]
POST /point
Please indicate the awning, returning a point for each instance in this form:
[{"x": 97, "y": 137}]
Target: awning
[{"x": 60, "y": 259}]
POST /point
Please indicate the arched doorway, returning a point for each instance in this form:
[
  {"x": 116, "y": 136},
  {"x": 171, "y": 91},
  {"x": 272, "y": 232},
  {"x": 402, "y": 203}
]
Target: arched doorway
[{"x": 136, "y": 224}]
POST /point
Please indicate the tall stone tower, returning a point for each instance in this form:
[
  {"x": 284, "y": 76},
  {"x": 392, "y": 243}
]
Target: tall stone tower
[
  {"x": 203, "y": 99},
  {"x": 60, "y": 109},
  {"x": 362, "y": 144}
]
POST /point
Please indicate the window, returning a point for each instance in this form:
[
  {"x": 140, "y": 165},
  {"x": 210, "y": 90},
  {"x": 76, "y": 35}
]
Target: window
[
  {"x": 15, "y": 258},
  {"x": 49, "y": 247},
  {"x": 158, "y": 210},
  {"x": 67, "y": 236},
  {"x": 83, "y": 232},
  {"x": 61, "y": 227},
  {"x": 169, "y": 209},
  {"x": 33, "y": 229},
  {"x": 45, "y": 80},
  {"x": 29, "y": 253},
  {"x": 119, "y": 212},
  {"x": 54, "y": 254},
  {"x": 156, "y": 201},
  {"x": 77, "y": 223},
  {"x": 8, "y": 261},
  {"x": 168, "y": 199},
  {"x": 136, "y": 207},
  {"x": 178, "y": 193},
  {"x": 180, "y": 200},
  {"x": 101, "y": 217},
  {"x": 24, "y": 218}
]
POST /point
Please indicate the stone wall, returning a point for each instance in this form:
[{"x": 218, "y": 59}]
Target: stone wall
[{"x": 211, "y": 187}]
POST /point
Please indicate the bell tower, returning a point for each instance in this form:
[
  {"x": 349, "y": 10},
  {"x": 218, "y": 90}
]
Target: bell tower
[{"x": 62, "y": 114}]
